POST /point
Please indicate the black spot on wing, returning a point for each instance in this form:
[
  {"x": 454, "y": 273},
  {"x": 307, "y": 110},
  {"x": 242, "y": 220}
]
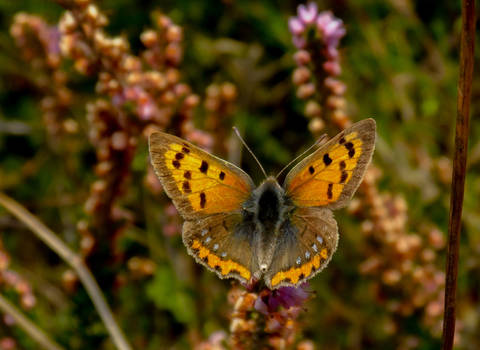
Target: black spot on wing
[
  {"x": 204, "y": 167},
  {"x": 222, "y": 175},
  {"x": 326, "y": 159},
  {"x": 186, "y": 150},
  {"x": 176, "y": 164},
  {"x": 203, "y": 200},
  {"x": 341, "y": 141},
  {"x": 342, "y": 165},
  {"x": 179, "y": 156},
  {"x": 330, "y": 191},
  {"x": 351, "y": 149},
  {"x": 187, "y": 174},
  {"x": 186, "y": 187},
  {"x": 311, "y": 169},
  {"x": 343, "y": 177}
]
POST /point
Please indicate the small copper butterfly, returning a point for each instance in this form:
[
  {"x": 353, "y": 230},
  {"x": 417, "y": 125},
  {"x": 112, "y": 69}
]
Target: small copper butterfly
[{"x": 281, "y": 234}]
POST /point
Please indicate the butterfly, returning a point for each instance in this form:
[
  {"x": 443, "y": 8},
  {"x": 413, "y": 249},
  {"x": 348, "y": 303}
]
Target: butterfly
[{"x": 282, "y": 234}]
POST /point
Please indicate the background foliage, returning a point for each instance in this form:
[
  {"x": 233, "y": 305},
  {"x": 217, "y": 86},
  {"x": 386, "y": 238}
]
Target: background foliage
[{"x": 384, "y": 286}]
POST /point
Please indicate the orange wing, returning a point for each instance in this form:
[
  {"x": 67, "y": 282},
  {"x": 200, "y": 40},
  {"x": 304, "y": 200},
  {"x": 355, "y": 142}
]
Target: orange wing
[
  {"x": 331, "y": 175},
  {"x": 198, "y": 183}
]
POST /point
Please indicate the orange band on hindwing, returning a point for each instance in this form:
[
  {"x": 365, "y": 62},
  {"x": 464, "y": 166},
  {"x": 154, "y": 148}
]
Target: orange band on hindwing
[
  {"x": 215, "y": 262},
  {"x": 295, "y": 274}
]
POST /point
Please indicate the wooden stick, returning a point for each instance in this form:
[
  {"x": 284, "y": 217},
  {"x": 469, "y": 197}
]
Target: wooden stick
[
  {"x": 459, "y": 168},
  {"x": 75, "y": 261},
  {"x": 28, "y": 326}
]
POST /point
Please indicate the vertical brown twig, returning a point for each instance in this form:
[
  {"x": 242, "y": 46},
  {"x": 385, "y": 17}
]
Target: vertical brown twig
[{"x": 459, "y": 168}]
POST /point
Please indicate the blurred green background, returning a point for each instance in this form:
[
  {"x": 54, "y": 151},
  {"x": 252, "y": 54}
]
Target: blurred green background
[{"x": 400, "y": 65}]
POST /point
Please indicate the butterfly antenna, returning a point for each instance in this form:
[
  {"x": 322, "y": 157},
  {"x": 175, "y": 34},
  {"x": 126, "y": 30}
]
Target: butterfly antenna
[
  {"x": 249, "y": 150},
  {"x": 320, "y": 140}
]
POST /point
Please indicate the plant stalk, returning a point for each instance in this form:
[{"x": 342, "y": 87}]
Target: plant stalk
[
  {"x": 75, "y": 261},
  {"x": 459, "y": 169}
]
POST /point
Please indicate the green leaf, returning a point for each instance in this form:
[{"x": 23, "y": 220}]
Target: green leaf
[{"x": 170, "y": 294}]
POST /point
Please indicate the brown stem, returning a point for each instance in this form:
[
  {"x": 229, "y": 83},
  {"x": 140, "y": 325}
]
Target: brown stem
[
  {"x": 459, "y": 168},
  {"x": 43, "y": 340},
  {"x": 75, "y": 261}
]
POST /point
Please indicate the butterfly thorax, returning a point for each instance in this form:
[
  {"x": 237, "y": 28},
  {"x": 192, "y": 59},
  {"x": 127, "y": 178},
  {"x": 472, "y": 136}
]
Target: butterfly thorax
[{"x": 269, "y": 208}]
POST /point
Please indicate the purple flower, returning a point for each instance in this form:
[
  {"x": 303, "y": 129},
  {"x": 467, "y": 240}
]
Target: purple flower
[
  {"x": 299, "y": 41},
  {"x": 331, "y": 28},
  {"x": 118, "y": 99},
  {"x": 296, "y": 26},
  {"x": 53, "y": 40},
  {"x": 332, "y": 67},
  {"x": 287, "y": 297},
  {"x": 145, "y": 110},
  {"x": 307, "y": 14}
]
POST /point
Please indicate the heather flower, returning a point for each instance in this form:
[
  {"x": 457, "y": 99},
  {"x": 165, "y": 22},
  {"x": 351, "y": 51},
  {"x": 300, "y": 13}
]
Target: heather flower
[
  {"x": 307, "y": 13},
  {"x": 296, "y": 26},
  {"x": 299, "y": 41},
  {"x": 331, "y": 30},
  {"x": 287, "y": 297}
]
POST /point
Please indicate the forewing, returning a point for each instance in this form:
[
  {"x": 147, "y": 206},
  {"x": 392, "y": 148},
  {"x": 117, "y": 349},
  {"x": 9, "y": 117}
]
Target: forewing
[
  {"x": 199, "y": 183},
  {"x": 306, "y": 243},
  {"x": 332, "y": 174},
  {"x": 222, "y": 243}
]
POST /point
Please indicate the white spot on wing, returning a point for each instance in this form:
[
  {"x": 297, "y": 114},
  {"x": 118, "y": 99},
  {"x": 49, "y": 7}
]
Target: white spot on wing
[
  {"x": 307, "y": 255},
  {"x": 204, "y": 232},
  {"x": 208, "y": 240},
  {"x": 224, "y": 254},
  {"x": 314, "y": 247},
  {"x": 320, "y": 239},
  {"x": 299, "y": 261},
  {"x": 215, "y": 246}
]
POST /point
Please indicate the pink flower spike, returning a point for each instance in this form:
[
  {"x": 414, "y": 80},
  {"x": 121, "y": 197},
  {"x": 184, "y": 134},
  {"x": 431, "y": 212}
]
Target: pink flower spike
[
  {"x": 145, "y": 110},
  {"x": 307, "y": 14},
  {"x": 332, "y": 51},
  {"x": 332, "y": 68},
  {"x": 296, "y": 26},
  {"x": 335, "y": 29},
  {"x": 299, "y": 42},
  {"x": 323, "y": 19}
]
